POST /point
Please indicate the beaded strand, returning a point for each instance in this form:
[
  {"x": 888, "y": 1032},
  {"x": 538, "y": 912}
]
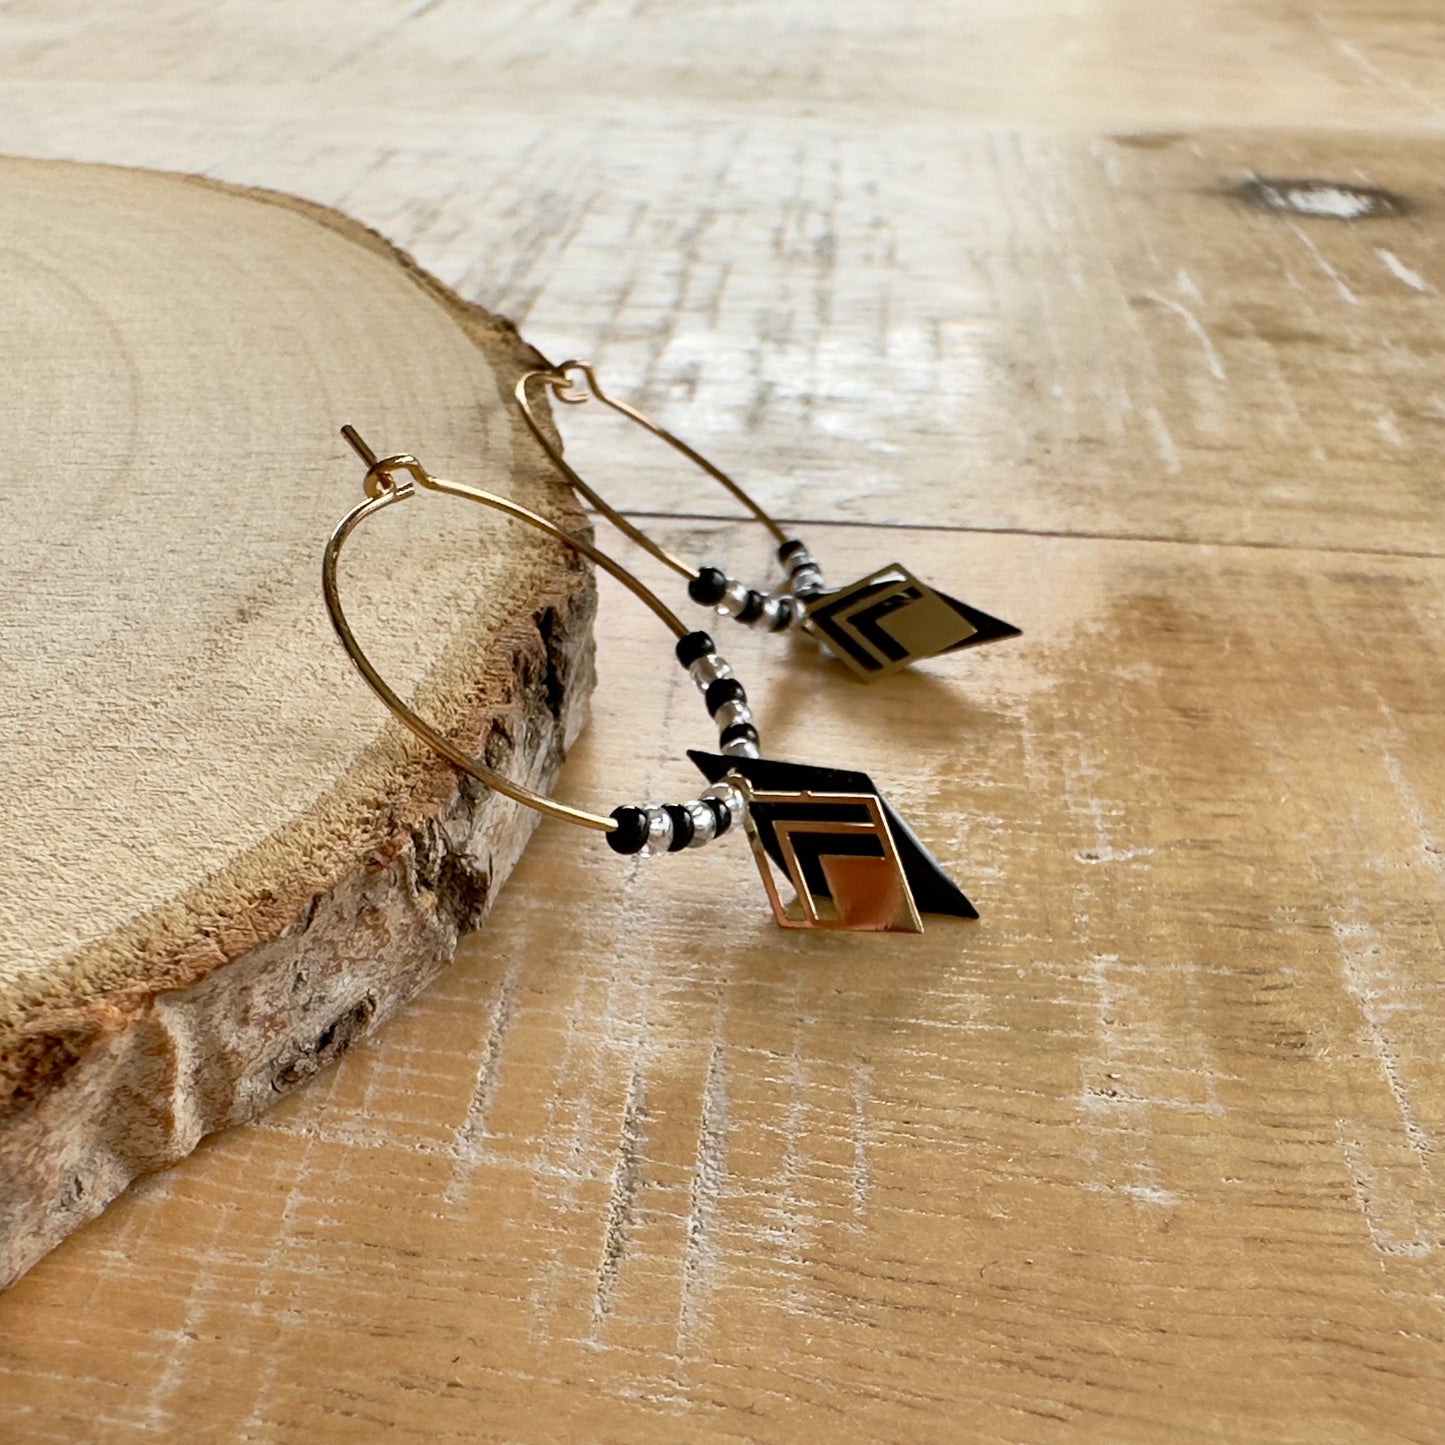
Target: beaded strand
[
  {"x": 773, "y": 612},
  {"x": 671, "y": 827}
]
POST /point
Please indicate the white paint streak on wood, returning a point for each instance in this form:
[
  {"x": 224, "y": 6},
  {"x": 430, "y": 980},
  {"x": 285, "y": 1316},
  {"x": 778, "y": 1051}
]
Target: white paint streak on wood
[
  {"x": 1391, "y": 84},
  {"x": 1112, "y": 1100},
  {"x": 1108, "y": 1097},
  {"x": 861, "y": 1178},
  {"x": 795, "y": 1208},
  {"x": 1391, "y": 1229},
  {"x": 1401, "y": 272},
  {"x": 201, "y": 1292},
  {"x": 1185, "y": 285},
  {"x": 1432, "y": 850},
  {"x": 1342, "y": 288},
  {"x": 1372, "y": 978},
  {"x": 1395, "y": 744},
  {"x": 1211, "y": 356},
  {"x": 275, "y": 1298},
  {"x": 1163, "y": 439},
  {"x": 1389, "y": 429}
]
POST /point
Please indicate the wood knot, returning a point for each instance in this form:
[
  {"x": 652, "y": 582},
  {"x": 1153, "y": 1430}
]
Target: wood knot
[
  {"x": 1326, "y": 200},
  {"x": 333, "y": 1041}
]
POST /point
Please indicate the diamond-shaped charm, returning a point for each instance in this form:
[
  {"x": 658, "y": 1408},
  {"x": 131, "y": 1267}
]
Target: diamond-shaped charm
[
  {"x": 889, "y": 619},
  {"x": 838, "y": 854},
  {"x": 852, "y": 861}
]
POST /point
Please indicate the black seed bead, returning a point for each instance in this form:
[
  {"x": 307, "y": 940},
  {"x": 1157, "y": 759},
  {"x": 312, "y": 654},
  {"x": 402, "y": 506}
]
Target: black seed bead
[
  {"x": 724, "y": 690},
  {"x": 784, "y": 619},
  {"x": 694, "y": 646},
  {"x": 708, "y": 587},
  {"x": 682, "y": 829},
  {"x": 630, "y": 834},
  {"x": 738, "y": 730},
  {"x": 752, "y": 608},
  {"x": 786, "y": 549},
  {"x": 722, "y": 813}
]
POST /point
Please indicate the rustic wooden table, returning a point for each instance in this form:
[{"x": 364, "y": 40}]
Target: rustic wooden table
[{"x": 1120, "y": 320}]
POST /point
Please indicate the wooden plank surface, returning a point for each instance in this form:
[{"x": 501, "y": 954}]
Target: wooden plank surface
[
  {"x": 1147, "y": 1153},
  {"x": 1148, "y": 1150},
  {"x": 916, "y": 321}
]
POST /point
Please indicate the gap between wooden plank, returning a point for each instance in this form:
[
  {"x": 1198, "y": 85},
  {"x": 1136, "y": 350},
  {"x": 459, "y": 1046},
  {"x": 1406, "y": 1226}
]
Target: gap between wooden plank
[{"x": 858, "y": 524}]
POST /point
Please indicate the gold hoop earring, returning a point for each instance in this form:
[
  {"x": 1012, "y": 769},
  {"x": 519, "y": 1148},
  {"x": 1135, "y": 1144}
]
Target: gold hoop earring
[
  {"x": 877, "y": 625},
  {"x": 852, "y": 861}
]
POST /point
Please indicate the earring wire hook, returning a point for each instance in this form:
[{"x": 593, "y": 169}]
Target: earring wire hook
[
  {"x": 385, "y": 486},
  {"x": 559, "y": 380}
]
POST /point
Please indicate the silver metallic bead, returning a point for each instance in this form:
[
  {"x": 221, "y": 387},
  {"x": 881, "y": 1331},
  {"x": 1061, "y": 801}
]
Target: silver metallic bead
[
  {"x": 731, "y": 799},
  {"x": 741, "y": 748},
  {"x": 807, "y": 581},
  {"x": 709, "y": 669},
  {"x": 771, "y": 609},
  {"x": 704, "y": 824},
  {"x": 659, "y": 832},
  {"x": 734, "y": 598},
  {"x": 730, "y": 713}
]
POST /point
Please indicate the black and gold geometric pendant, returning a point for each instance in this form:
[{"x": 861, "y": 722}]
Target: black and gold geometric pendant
[
  {"x": 839, "y": 856},
  {"x": 889, "y": 619},
  {"x": 852, "y": 862}
]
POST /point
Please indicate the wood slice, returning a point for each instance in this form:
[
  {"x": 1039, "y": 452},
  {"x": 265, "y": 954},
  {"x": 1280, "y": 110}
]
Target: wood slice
[{"x": 223, "y": 863}]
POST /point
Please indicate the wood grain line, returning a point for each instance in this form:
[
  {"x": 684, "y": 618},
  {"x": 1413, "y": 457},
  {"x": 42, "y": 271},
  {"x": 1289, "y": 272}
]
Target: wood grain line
[
  {"x": 702, "y": 1254},
  {"x": 622, "y": 1201},
  {"x": 470, "y": 1143}
]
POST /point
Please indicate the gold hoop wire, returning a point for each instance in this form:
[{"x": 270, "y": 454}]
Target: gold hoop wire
[
  {"x": 558, "y": 379},
  {"x": 393, "y": 479}
]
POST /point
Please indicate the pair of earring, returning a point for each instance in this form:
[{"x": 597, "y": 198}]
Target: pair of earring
[{"x": 850, "y": 860}]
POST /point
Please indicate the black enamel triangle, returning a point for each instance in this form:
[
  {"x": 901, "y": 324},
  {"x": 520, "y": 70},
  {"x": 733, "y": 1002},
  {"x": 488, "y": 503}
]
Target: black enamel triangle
[
  {"x": 986, "y": 627},
  {"x": 933, "y": 890}
]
